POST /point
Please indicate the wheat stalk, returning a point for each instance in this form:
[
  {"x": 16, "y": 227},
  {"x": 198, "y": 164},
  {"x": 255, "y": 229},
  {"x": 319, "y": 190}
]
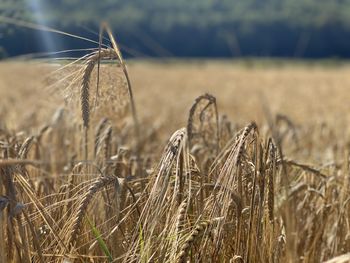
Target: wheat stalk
[
  {"x": 85, "y": 88},
  {"x": 94, "y": 188}
]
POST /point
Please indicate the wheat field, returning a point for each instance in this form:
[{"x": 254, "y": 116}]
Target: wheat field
[{"x": 173, "y": 161}]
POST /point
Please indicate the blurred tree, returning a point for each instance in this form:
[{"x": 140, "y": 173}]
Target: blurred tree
[{"x": 213, "y": 27}]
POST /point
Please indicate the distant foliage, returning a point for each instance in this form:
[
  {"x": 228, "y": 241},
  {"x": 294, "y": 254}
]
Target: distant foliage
[{"x": 314, "y": 28}]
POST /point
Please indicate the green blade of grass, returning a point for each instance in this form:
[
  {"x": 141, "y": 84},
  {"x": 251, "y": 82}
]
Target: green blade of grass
[{"x": 100, "y": 241}]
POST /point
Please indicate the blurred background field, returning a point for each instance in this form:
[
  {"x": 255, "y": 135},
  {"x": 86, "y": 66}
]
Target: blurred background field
[{"x": 165, "y": 89}]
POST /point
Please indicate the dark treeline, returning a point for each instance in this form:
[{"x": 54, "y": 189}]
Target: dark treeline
[{"x": 197, "y": 28}]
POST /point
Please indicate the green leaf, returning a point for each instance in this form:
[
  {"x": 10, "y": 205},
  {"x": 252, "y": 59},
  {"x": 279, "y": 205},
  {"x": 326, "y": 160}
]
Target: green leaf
[{"x": 100, "y": 241}]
